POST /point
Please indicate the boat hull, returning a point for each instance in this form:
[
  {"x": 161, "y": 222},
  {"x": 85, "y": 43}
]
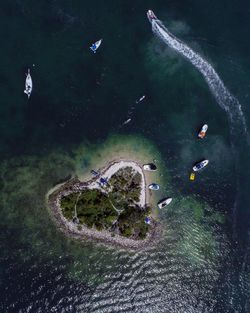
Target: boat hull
[
  {"x": 149, "y": 167},
  {"x": 28, "y": 84},
  {"x": 164, "y": 202},
  {"x": 151, "y": 16},
  {"x": 199, "y": 166},
  {"x": 96, "y": 45},
  {"x": 203, "y": 131},
  {"x": 154, "y": 187}
]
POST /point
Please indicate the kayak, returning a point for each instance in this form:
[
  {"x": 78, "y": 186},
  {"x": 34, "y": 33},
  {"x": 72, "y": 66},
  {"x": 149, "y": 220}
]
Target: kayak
[
  {"x": 192, "y": 176},
  {"x": 200, "y": 165},
  {"x": 202, "y": 132}
]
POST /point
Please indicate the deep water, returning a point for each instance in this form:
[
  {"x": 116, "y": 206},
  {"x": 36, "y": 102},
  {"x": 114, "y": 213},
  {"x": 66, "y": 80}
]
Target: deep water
[{"x": 81, "y": 99}]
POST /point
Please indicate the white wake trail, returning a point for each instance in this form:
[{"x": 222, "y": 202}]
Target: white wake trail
[{"x": 222, "y": 95}]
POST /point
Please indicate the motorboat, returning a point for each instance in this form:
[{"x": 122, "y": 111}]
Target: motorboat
[
  {"x": 202, "y": 132},
  {"x": 151, "y": 16},
  {"x": 95, "y": 45},
  {"x": 127, "y": 121},
  {"x": 28, "y": 84},
  {"x": 164, "y": 202},
  {"x": 141, "y": 99},
  {"x": 149, "y": 167},
  {"x": 154, "y": 186},
  {"x": 200, "y": 165}
]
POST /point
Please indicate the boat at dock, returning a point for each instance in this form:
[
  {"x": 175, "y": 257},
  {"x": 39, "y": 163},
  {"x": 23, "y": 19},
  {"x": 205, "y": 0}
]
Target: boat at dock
[
  {"x": 95, "y": 45},
  {"x": 154, "y": 186},
  {"x": 28, "y": 84},
  {"x": 150, "y": 167},
  {"x": 164, "y": 202},
  {"x": 202, "y": 132},
  {"x": 200, "y": 165}
]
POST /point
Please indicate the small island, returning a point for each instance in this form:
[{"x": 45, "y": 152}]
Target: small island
[{"x": 111, "y": 208}]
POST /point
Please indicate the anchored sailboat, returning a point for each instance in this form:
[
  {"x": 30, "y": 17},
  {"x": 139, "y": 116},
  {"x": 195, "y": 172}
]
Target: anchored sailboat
[
  {"x": 95, "y": 45},
  {"x": 28, "y": 84}
]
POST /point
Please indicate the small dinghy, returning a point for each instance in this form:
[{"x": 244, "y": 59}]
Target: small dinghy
[
  {"x": 202, "y": 132},
  {"x": 150, "y": 167},
  {"x": 96, "y": 45},
  {"x": 154, "y": 186},
  {"x": 28, "y": 84},
  {"x": 164, "y": 202},
  {"x": 200, "y": 165}
]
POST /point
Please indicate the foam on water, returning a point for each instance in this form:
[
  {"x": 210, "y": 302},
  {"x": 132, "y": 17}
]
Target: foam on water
[{"x": 222, "y": 95}]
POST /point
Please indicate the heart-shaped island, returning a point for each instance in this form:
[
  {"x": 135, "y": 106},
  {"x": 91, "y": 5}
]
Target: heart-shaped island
[{"x": 111, "y": 208}]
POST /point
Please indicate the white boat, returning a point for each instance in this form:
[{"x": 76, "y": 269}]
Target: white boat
[
  {"x": 127, "y": 121},
  {"x": 202, "y": 132},
  {"x": 200, "y": 165},
  {"x": 164, "y": 202},
  {"x": 95, "y": 45},
  {"x": 149, "y": 167},
  {"x": 151, "y": 16},
  {"x": 154, "y": 186},
  {"x": 141, "y": 99},
  {"x": 28, "y": 84}
]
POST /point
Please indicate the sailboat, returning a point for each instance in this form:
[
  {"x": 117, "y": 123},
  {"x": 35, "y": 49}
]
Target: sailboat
[
  {"x": 95, "y": 45},
  {"x": 28, "y": 84}
]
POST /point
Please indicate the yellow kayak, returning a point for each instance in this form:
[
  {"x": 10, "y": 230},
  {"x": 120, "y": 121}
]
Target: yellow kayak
[{"x": 192, "y": 176}]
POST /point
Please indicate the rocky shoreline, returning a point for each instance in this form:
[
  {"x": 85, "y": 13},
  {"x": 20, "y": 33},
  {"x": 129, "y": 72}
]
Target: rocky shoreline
[{"x": 105, "y": 237}]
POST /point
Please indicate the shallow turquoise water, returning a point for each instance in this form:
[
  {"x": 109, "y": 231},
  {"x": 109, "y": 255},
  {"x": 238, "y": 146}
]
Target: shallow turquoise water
[{"x": 202, "y": 265}]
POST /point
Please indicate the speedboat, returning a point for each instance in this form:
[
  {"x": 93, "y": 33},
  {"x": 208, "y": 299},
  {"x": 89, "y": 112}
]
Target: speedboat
[
  {"x": 150, "y": 167},
  {"x": 139, "y": 100},
  {"x": 127, "y": 121},
  {"x": 151, "y": 16},
  {"x": 154, "y": 186},
  {"x": 96, "y": 45},
  {"x": 202, "y": 132},
  {"x": 164, "y": 202},
  {"x": 200, "y": 165},
  {"x": 28, "y": 84}
]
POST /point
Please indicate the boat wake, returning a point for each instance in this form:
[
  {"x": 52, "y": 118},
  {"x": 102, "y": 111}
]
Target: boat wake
[{"x": 222, "y": 95}]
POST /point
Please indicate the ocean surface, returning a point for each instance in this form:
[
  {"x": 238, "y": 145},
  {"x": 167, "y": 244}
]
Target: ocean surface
[{"x": 81, "y": 99}]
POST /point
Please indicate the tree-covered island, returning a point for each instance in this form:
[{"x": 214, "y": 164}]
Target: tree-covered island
[
  {"x": 110, "y": 208},
  {"x": 113, "y": 207}
]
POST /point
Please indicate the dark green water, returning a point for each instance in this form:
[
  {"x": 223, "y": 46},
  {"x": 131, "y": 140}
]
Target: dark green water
[{"x": 80, "y": 98}]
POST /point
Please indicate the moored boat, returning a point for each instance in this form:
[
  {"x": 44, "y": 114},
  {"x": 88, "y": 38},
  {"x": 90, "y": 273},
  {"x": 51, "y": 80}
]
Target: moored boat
[
  {"x": 95, "y": 45},
  {"x": 202, "y": 132},
  {"x": 200, "y": 165},
  {"x": 154, "y": 186},
  {"x": 28, "y": 84},
  {"x": 149, "y": 167},
  {"x": 164, "y": 202}
]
